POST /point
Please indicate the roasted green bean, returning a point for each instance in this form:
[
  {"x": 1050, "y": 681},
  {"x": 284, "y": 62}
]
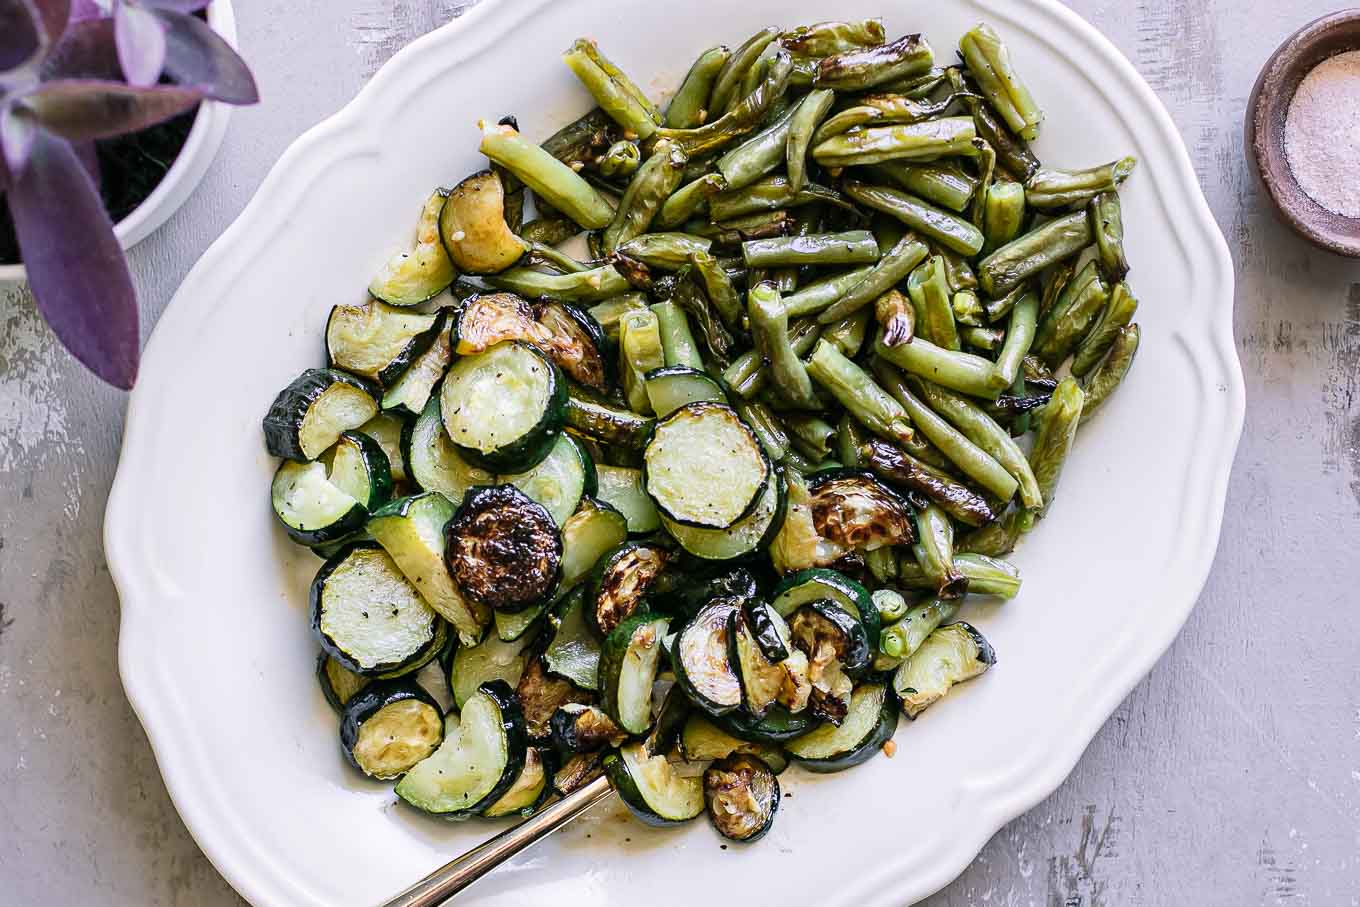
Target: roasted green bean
[
  {"x": 621, "y": 159},
  {"x": 825, "y": 38},
  {"x": 1003, "y": 213},
  {"x": 998, "y": 537},
  {"x": 985, "y": 575},
  {"x": 815, "y": 433},
  {"x": 648, "y": 190},
  {"x": 906, "y": 471},
  {"x": 766, "y": 427},
  {"x": 849, "y": 439},
  {"x": 641, "y": 351},
  {"x": 1072, "y": 315},
  {"x": 728, "y": 80},
  {"x": 986, "y": 339},
  {"x": 901, "y": 639},
  {"x": 968, "y": 309},
  {"x": 934, "y": 552},
  {"x": 1019, "y": 336},
  {"x": 1058, "y": 422},
  {"x": 851, "y": 247},
  {"x": 989, "y": 62},
  {"x": 758, "y": 155},
  {"x": 770, "y": 330},
  {"x": 616, "y": 94},
  {"x": 1107, "y": 223},
  {"x": 677, "y": 343},
  {"x": 581, "y": 286},
  {"x": 1027, "y": 255},
  {"x": 668, "y": 251},
  {"x": 895, "y": 264},
  {"x": 929, "y": 292},
  {"x": 896, "y": 316},
  {"x": 739, "y": 120},
  {"x": 820, "y": 294},
  {"x": 551, "y": 179},
  {"x": 745, "y": 377},
  {"x": 930, "y": 222},
  {"x": 1118, "y": 312},
  {"x": 970, "y": 459},
  {"x": 856, "y": 70},
  {"x": 943, "y": 183},
  {"x": 849, "y": 333},
  {"x": 1053, "y": 190},
  {"x": 718, "y": 286},
  {"x": 1108, "y": 375},
  {"x": 690, "y": 297},
  {"x": 768, "y": 194},
  {"x": 857, "y": 391},
  {"x": 906, "y": 141},
  {"x": 963, "y": 372},
  {"x": 610, "y": 312},
  {"x": 689, "y": 107},
  {"x": 689, "y": 200},
  {"x": 798, "y": 137}
]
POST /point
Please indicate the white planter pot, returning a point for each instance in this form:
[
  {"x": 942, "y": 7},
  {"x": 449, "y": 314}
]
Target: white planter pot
[{"x": 184, "y": 175}]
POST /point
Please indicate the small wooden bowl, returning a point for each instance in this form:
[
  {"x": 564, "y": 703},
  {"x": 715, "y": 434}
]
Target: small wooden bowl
[{"x": 1270, "y": 98}]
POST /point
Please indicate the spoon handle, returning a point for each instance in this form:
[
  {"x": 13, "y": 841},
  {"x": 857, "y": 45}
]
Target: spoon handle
[{"x": 459, "y": 873}]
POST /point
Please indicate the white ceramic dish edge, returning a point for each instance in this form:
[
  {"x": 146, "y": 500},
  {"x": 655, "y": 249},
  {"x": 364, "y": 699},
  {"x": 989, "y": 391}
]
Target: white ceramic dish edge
[
  {"x": 993, "y": 804},
  {"x": 200, "y": 148}
]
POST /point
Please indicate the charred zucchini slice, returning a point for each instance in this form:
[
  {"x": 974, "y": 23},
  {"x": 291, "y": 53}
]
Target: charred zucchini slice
[
  {"x": 581, "y": 728},
  {"x": 389, "y": 727},
  {"x": 412, "y": 390},
  {"x": 823, "y": 583},
  {"x": 387, "y": 429},
  {"x": 767, "y": 628},
  {"x": 951, "y": 654},
  {"x": 746, "y": 536},
  {"x": 504, "y": 550},
  {"x": 578, "y": 771},
  {"x": 700, "y": 658},
  {"x": 577, "y": 343},
  {"x": 540, "y": 696},
  {"x": 621, "y": 488},
  {"x": 869, "y": 723},
  {"x": 765, "y": 682},
  {"x": 621, "y": 582},
  {"x": 412, "y": 531},
  {"x": 491, "y": 659},
  {"x": 503, "y": 408},
  {"x": 560, "y": 480},
  {"x": 473, "y": 228},
  {"x": 432, "y": 459},
  {"x": 628, "y": 665},
  {"x": 779, "y": 725},
  {"x": 702, "y": 740},
  {"x": 309, "y": 415},
  {"x": 651, "y": 787},
  {"x": 836, "y": 647},
  {"x": 670, "y": 388},
  {"x": 532, "y": 787},
  {"x": 742, "y": 796},
  {"x": 377, "y": 341},
  {"x": 366, "y": 615},
  {"x": 410, "y": 278},
  {"x": 489, "y": 319},
  {"x": 477, "y": 762},
  {"x": 855, "y": 510},
  {"x": 338, "y": 683},
  {"x": 704, "y": 468},
  {"x": 574, "y": 652}
]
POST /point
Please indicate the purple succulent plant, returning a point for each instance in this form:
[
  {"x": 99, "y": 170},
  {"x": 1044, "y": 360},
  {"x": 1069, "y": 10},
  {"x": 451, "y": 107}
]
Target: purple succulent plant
[{"x": 73, "y": 72}]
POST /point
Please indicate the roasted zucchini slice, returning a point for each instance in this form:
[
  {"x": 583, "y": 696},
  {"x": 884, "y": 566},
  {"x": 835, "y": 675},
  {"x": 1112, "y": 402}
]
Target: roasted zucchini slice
[
  {"x": 581, "y": 728},
  {"x": 700, "y": 658},
  {"x": 869, "y": 723},
  {"x": 504, "y": 550},
  {"x": 531, "y": 789},
  {"x": 338, "y": 683},
  {"x": 412, "y": 531},
  {"x": 541, "y": 695},
  {"x": 746, "y": 536},
  {"x": 836, "y": 648},
  {"x": 560, "y": 480},
  {"x": 765, "y": 681},
  {"x": 855, "y": 510},
  {"x": 578, "y": 771},
  {"x": 652, "y": 788},
  {"x": 488, "y": 319},
  {"x": 389, "y": 727},
  {"x": 823, "y": 583},
  {"x": 767, "y": 628},
  {"x": 387, "y": 429},
  {"x": 503, "y": 408},
  {"x": 329, "y": 499},
  {"x": 367, "y": 616},
  {"x": 704, "y": 467},
  {"x": 433, "y": 461},
  {"x": 628, "y": 664},
  {"x": 491, "y": 659},
  {"x": 951, "y": 654},
  {"x": 779, "y": 725},
  {"x": 621, "y": 582},
  {"x": 477, "y": 762},
  {"x": 742, "y": 796},
  {"x": 670, "y": 388},
  {"x": 589, "y": 534},
  {"x": 473, "y": 228},
  {"x": 703, "y": 740},
  {"x": 574, "y": 652},
  {"x": 309, "y": 415},
  {"x": 621, "y": 488},
  {"x": 377, "y": 341},
  {"x": 410, "y": 278},
  {"x": 576, "y": 343},
  {"x": 413, "y": 389}
]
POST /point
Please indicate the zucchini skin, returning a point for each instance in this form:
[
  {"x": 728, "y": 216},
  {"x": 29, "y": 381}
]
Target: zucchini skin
[
  {"x": 328, "y": 689},
  {"x": 682, "y": 678},
  {"x": 858, "y": 655},
  {"x": 390, "y": 372},
  {"x": 352, "y": 521},
  {"x": 516, "y": 738},
  {"x": 613, "y": 655},
  {"x": 865, "y": 750},
  {"x": 778, "y": 726},
  {"x": 622, "y": 781},
  {"x": 595, "y": 417},
  {"x": 530, "y": 449},
  {"x": 367, "y": 703},
  {"x": 763, "y": 630},
  {"x": 283, "y": 421}
]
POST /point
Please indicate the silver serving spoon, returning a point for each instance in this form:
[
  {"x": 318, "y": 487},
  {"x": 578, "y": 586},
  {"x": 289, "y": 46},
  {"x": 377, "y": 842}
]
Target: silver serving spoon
[{"x": 459, "y": 873}]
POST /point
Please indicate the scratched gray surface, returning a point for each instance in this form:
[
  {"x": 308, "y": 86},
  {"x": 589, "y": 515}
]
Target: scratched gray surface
[{"x": 1230, "y": 776}]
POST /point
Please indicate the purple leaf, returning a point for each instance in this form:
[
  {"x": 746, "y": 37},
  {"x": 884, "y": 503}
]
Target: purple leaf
[
  {"x": 20, "y": 35},
  {"x": 87, "y": 9},
  {"x": 86, "y": 51},
  {"x": 17, "y": 131},
  {"x": 79, "y": 277},
  {"x": 84, "y": 109},
  {"x": 198, "y": 57},
  {"x": 175, "y": 6},
  {"x": 141, "y": 43}
]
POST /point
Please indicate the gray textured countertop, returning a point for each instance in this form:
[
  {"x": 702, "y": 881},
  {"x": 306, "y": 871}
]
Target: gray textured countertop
[{"x": 1231, "y": 775}]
